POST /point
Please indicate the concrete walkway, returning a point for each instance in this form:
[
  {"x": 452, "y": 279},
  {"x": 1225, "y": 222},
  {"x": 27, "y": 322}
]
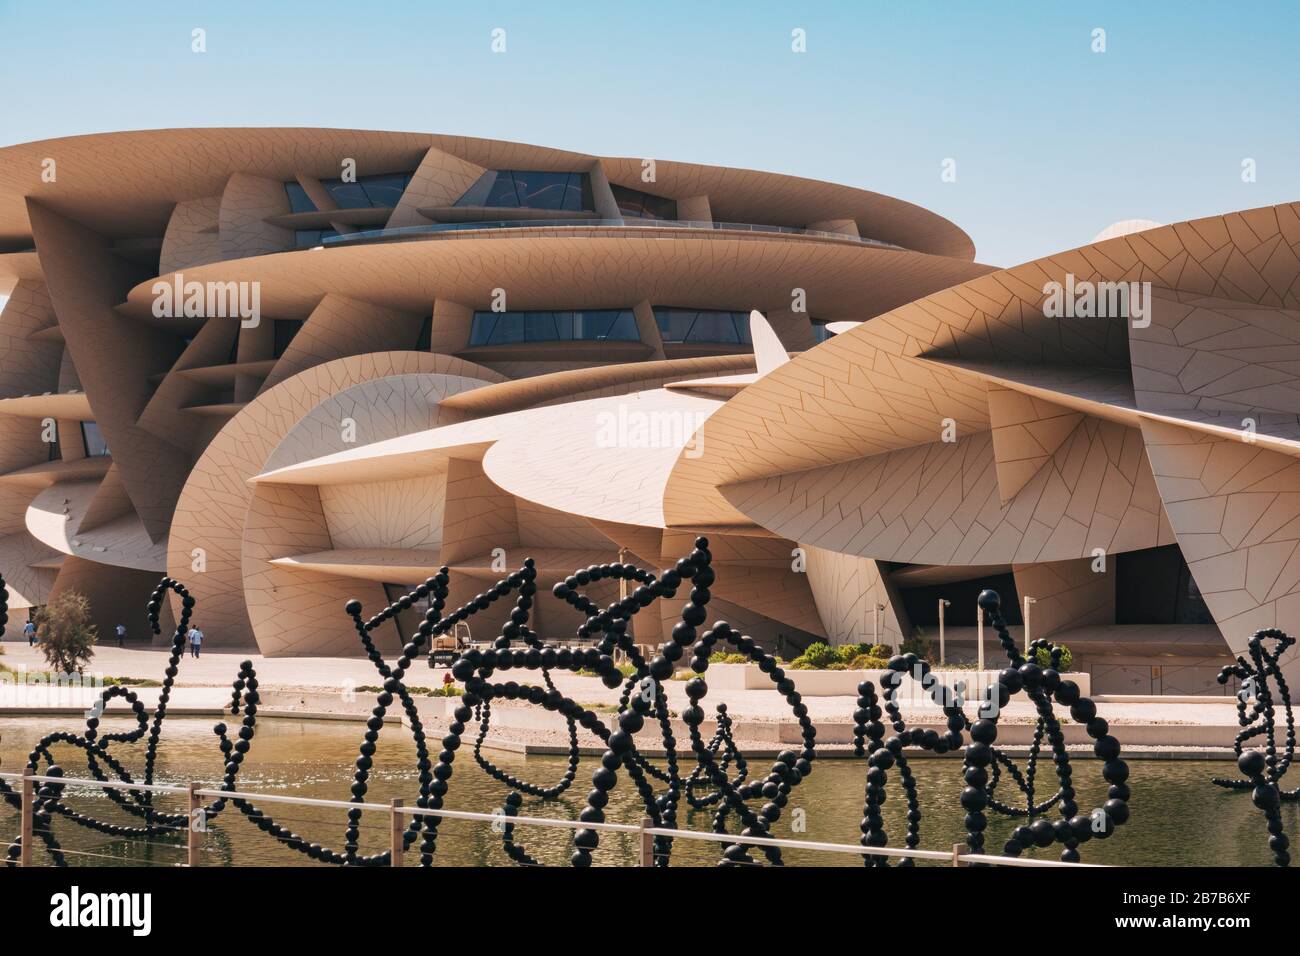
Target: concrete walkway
[{"x": 205, "y": 683}]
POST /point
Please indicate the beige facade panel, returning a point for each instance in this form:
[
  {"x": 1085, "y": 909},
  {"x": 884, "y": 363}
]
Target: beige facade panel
[
  {"x": 1236, "y": 510},
  {"x": 941, "y": 504},
  {"x": 130, "y": 182},
  {"x": 21, "y": 448},
  {"x": 581, "y": 384},
  {"x": 439, "y": 180},
  {"x": 1068, "y": 594},
  {"x": 339, "y": 327},
  {"x": 117, "y": 596},
  {"x": 383, "y": 565},
  {"x": 136, "y": 178},
  {"x": 30, "y": 568},
  {"x": 627, "y": 445},
  {"x": 364, "y": 417},
  {"x": 56, "y": 516},
  {"x": 115, "y": 358},
  {"x": 247, "y": 203},
  {"x": 847, "y": 590},
  {"x": 293, "y": 611},
  {"x": 193, "y": 236},
  {"x": 556, "y": 268},
  {"x": 109, "y": 503},
  {"x": 479, "y": 516},
  {"x": 1027, "y": 431},
  {"x": 996, "y": 319},
  {"x": 210, "y": 513},
  {"x": 399, "y": 514},
  {"x": 1220, "y": 361},
  {"x": 28, "y": 365}
]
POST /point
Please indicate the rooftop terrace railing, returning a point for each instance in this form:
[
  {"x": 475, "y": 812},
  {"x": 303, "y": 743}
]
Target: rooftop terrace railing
[
  {"x": 397, "y": 812},
  {"x": 416, "y": 232}
]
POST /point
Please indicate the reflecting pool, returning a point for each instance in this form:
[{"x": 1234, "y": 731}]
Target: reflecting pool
[{"x": 1178, "y": 817}]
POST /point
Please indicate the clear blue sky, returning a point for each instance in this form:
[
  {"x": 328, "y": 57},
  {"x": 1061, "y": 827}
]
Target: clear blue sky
[{"x": 1052, "y": 141}]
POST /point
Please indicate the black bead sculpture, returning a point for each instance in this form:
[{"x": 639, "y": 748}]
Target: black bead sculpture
[
  {"x": 138, "y": 803},
  {"x": 1264, "y": 769},
  {"x": 720, "y": 780},
  {"x": 984, "y": 763},
  {"x": 643, "y": 699}
]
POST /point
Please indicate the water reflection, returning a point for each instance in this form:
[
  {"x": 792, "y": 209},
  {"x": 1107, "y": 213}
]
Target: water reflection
[{"x": 1178, "y": 817}]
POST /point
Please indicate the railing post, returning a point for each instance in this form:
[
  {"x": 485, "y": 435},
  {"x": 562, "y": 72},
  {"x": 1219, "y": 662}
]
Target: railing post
[
  {"x": 646, "y": 850},
  {"x": 28, "y": 811},
  {"x": 396, "y": 822},
  {"x": 957, "y": 850},
  {"x": 29, "y": 808},
  {"x": 198, "y": 825}
]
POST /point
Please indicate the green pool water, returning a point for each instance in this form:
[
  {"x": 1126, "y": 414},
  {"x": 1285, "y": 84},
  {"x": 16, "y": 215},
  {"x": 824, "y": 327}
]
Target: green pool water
[{"x": 1178, "y": 817}]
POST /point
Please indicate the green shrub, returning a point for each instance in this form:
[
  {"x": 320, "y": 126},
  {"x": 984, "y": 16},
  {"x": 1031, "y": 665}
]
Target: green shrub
[
  {"x": 818, "y": 655},
  {"x": 847, "y": 652},
  {"x": 67, "y": 638},
  {"x": 131, "y": 682},
  {"x": 869, "y": 662},
  {"x": 822, "y": 657},
  {"x": 920, "y": 646},
  {"x": 721, "y": 657},
  {"x": 626, "y": 669},
  {"x": 1044, "y": 659}
]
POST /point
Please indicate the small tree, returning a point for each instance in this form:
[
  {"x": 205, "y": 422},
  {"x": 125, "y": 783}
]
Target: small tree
[{"x": 67, "y": 637}]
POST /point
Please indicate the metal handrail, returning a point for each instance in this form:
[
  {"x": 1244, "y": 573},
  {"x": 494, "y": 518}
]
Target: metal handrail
[{"x": 644, "y": 830}]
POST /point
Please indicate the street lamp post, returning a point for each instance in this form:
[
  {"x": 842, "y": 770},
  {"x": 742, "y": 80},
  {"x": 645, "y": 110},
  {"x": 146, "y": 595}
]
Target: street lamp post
[
  {"x": 875, "y": 623},
  {"x": 1028, "y": 601},
  {"x": 622, "y": 590},
  {"x": 979, "y": 638},
  {"x": 943, "y": 656}
]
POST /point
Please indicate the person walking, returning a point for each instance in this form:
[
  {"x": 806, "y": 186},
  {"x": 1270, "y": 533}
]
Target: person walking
[
  {"x": 121, "y": 635},
  {"x": 196, "y": 641},
  {"x": 29, "y": 629}
]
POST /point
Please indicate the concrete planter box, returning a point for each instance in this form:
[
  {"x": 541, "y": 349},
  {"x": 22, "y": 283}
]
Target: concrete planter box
[{"x": 845, "y": 683}]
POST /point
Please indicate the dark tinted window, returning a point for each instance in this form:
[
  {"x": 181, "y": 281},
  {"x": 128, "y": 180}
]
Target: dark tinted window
[
  {"x": 531, "y": 189},
  {"x": 702, "y": 325},
  {"x": 1155, "y": 586},
  {"x": 633, "y": 202},
  {"x": 368, "y": 192},
  {"x": 285, "y": 330},
  {"x": 299, "y": 201},
  {"x": 96, "y": 447},
  {"x": 408, "y": 620},
  {"x": 308, "y": 238},
  {"x": 508, "y": 328},
  {"x": 820, "y": 332}
]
